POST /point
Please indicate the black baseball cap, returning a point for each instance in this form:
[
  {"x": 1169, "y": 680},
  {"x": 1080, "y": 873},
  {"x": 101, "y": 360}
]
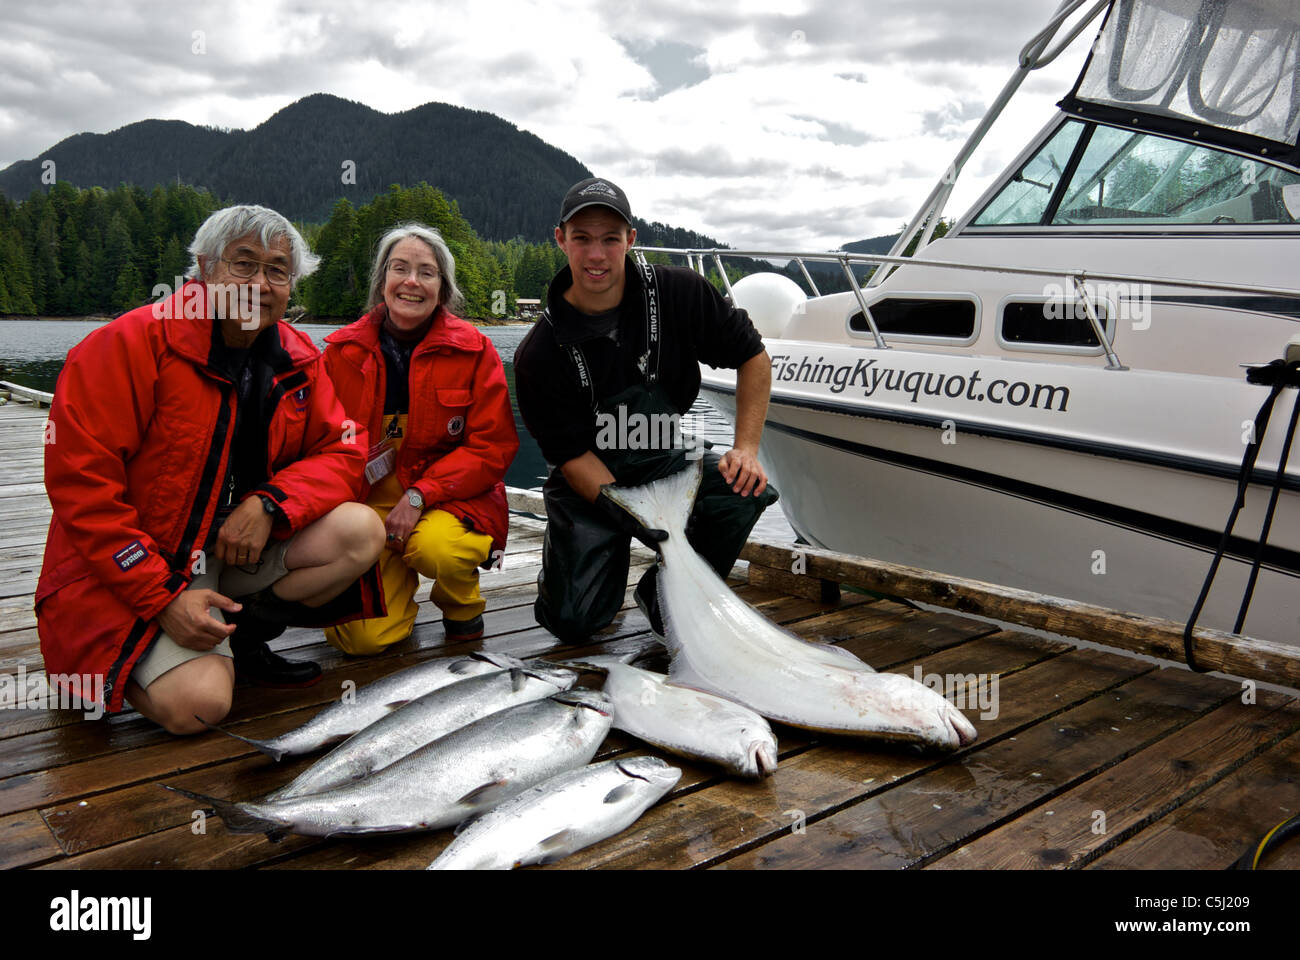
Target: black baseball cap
[{"x": 594, "y": 192}]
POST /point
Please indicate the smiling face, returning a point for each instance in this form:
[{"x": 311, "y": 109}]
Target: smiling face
[
  {"x": 595, "y": 240},
  {"x": 412, "y": 284}
]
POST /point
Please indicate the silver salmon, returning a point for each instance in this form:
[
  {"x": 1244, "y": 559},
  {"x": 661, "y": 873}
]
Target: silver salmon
[
  {"x": 722, "y": 645},
  {"x": 467, "y": 772},
  {"x": 561, "y": 816},
  {"x": 424, "y": 720},
  {"x": 364, "y": 706}
]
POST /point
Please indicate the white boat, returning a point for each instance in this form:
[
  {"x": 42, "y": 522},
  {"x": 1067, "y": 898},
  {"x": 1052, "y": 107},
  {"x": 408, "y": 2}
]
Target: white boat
[{"x": 1054, "y": 396}]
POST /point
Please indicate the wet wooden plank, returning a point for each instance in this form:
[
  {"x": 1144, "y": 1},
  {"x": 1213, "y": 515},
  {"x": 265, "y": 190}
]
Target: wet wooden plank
[
  {"x": 1074, "y": 828},
  {"x": 25, "y": 840},
  {"x": 929, "y": 815},
  {"x": 1213, "y": 830}
]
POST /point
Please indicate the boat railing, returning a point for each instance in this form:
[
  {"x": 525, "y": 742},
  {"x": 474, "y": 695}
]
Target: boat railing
[{"x": 1075, "y": 279}]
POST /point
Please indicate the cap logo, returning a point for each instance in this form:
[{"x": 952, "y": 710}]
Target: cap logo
[{"x": 601, "y": 187}]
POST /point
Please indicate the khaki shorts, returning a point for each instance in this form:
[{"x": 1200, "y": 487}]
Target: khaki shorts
[{"x": 165, "y": 653}]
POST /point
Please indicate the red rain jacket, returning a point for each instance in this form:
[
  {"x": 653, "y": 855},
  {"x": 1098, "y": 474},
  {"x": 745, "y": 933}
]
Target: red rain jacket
[
  {"x": 135, "y": 464},
  {"x": 460, "y": 431}
]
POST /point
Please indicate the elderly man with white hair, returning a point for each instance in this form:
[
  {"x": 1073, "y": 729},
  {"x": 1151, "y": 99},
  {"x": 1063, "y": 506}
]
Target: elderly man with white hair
[{"x": 203, "y": 476}]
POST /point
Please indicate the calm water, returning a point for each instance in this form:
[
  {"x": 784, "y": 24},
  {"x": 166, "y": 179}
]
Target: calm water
[{"x": 32, "y": 353}]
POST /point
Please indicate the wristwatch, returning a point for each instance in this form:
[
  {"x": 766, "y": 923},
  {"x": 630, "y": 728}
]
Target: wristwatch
[
  {"x": 414, "y": 499},
  {"x": 268, "y": 505}
]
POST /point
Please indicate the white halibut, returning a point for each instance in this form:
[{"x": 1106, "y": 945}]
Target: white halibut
[
  {"x": 690, "y": 723},
  {"x": 722, "y": 645}
]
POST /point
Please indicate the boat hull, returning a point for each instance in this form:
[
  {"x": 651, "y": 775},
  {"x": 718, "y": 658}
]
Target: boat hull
[{"x": 1115, "y": 493}]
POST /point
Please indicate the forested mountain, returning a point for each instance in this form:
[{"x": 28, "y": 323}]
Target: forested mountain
[
  {"x": 72, "y": 252},
  {"x": 300, "y": 161}
]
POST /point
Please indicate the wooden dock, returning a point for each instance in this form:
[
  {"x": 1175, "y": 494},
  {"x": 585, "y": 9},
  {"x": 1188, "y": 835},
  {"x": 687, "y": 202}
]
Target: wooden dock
[{"x": 1086, "y": 759}]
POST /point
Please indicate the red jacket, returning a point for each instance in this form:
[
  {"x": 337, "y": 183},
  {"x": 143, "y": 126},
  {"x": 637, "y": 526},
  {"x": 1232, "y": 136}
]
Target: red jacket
[
  {"x": 135, "y": 462},
  {"x": 460, "y": 431}
]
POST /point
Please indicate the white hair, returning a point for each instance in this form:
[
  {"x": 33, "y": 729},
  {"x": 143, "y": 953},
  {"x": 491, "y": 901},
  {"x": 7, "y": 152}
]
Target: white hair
[
  {"x": 222, "y": 227},
  {"x": 449, "y": 294}
]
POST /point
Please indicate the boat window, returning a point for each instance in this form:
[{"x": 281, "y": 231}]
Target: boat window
[
  {"x": 1125, "y": 178},
  {"x": 917, "y": 317},
  {"x": 1024, "y": 200},
  {"x": 1052, "y": 322}
]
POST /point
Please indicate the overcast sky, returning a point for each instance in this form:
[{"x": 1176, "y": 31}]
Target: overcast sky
[{"x": 774, "y": 124}]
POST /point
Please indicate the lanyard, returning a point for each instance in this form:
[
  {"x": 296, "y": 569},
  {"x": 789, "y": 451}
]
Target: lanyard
[{"x": 648, "y": 362}]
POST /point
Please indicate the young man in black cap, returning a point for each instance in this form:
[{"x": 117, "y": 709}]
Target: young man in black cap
[{"x": 615, "y": 356}]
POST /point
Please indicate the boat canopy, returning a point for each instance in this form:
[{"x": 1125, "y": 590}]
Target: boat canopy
[{"x": 1225, "y": 72}]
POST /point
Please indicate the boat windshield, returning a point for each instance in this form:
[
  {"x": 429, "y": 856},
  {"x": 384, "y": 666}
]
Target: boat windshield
[
  {"x": 1095, "y": 174},
  {"x": 1227, "y": 69}
]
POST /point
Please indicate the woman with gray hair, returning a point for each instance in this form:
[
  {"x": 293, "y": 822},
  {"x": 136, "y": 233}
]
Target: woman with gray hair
[{"x": 431, "y": 393}]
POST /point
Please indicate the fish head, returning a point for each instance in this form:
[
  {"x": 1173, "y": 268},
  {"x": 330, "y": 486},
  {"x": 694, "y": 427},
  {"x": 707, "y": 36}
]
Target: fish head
[
  {"x": 661, "y": 776},
  {"x": 500, "y": 661},
  {"x": 917, "y": 713},
  {"x": 760, "y": 758},
  {"x": 587, "y": 701}
]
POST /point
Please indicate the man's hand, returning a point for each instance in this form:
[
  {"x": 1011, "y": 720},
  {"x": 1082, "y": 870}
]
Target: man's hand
[
  {"x": 399, "y": 524},
  {"x": 187, "y": 621},
  {"x": 741, "y": 469},
  {"x": 244, "y": 534}
]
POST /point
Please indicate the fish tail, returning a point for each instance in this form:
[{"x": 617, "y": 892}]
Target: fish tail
[
  {"x": 265, "y": 746},
  {"x": 235, "y": 816},
  {"x": 664, "y": 504}
]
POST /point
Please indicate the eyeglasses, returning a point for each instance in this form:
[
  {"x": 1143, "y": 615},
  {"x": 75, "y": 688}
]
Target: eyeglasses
[
  {"x": 401, "y": 269},
  {"x": 245, "y": 269}
]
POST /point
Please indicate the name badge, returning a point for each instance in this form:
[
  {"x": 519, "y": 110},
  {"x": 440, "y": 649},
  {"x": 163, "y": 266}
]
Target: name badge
[{"x": 383, "y": 458}]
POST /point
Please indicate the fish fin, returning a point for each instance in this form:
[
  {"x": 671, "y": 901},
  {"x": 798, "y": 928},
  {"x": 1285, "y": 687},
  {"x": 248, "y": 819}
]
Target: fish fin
[
  {"x": 597, "y": 663},
  {"x": 619, "y": 792},
  {"x": 465, "y": 824},
  {"x": 275, "y": 753},
  {"x": 461, "y": 667},
  {"x": 232, "y": 814},
  {"x": 664, "y": 504},
  {"x": 517, "y": 679},
  {"x": 553, "y": 847},
  {"x": 634, "y": 648},
  {"x": 486, "y": 795},
  {"x": 847, "y": 656},
  {"x": 391, "y": 706}
]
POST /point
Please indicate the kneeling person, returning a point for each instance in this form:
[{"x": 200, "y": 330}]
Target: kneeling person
[
  {"x": 620, "y": 343},
  {"x": 202, "y": 488},
  {"x": 431, "y": 392}
]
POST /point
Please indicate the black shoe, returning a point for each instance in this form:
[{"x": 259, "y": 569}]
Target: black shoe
[
  {"x": 463, "y": 629},
  {"x": 255, "y": 663},
  {"x": 254, "y": 660},
  {"x": 646, "y": 596}
]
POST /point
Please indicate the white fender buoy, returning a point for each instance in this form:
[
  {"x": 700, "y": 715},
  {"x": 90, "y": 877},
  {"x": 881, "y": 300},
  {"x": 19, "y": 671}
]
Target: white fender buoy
[{"x": 770, "y": 299}]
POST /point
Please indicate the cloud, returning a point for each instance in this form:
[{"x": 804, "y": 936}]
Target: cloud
[{"x": 759, "y": 121}]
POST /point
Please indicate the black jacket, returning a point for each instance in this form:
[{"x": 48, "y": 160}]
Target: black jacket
[{"x": 696, "y": 326}]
